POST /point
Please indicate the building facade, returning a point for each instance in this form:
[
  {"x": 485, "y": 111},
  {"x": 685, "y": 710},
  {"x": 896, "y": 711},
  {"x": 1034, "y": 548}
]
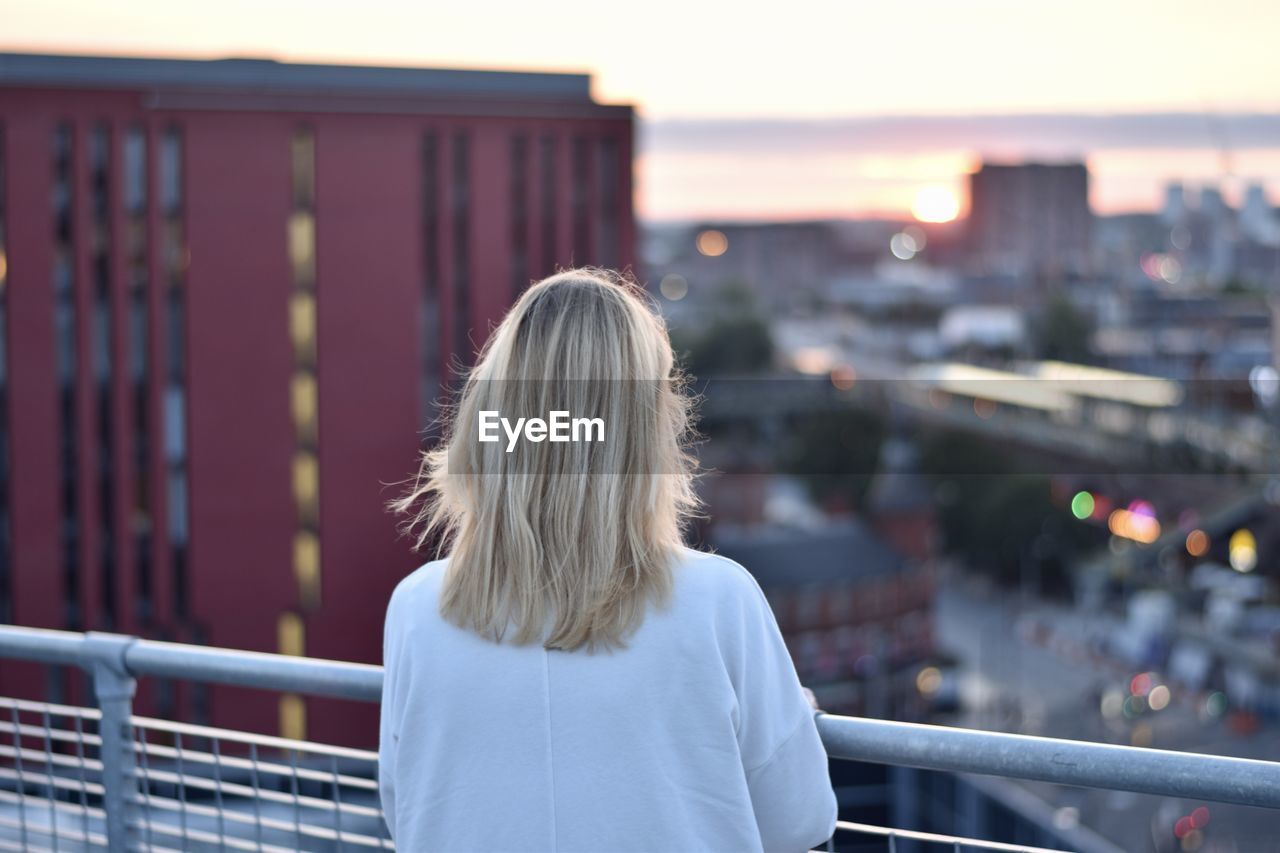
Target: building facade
[
  {"x": 1030, "y": 219},
  {"x": 229, "y": 294}
]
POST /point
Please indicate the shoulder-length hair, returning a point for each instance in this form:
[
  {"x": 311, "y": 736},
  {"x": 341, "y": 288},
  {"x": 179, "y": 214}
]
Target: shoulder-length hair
[{"x": 567, "y": 543}]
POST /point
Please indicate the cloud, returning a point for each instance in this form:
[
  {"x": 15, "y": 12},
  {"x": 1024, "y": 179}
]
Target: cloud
[{"x": 1026, "y": 135}]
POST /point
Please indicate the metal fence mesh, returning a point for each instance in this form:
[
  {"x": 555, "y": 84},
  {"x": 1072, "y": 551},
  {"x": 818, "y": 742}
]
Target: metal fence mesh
[
  {"x": 50, "y": 777},
  {"x": 203, "y": 788},
  {"x": 197, "y": 788},
  {"x": 931, "y": 841}
]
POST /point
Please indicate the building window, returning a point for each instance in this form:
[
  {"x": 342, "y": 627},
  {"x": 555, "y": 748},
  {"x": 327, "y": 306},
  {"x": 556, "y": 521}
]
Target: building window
[
  {"x": 175, "y": 260},
  {"x": 304, "y": 406},
  {"x": 580, "y": 203},
  {"x": 306, "y": 566},
  {"x": 139, "y": 323},
  {"x": 101, "y": 348},
  {"x": 547, "y": 168},
  {"x": 609, "y": 215},
  {"x": 303, "y": 160},
  {"x": 306, "y": 486},
  {"x": 178, "y": 530},
  {"x": 304, "y": 395},
  {"x": 175, "y": 413},
  {"x": 135, "y": 171},
  {"x": 302, "y": 328},
  {"x": 519, "y": 214},
  {"x": 461, "y": 201},
  {"x": 171, "y": 172},
  {"x": 291, "y": 639},
  {"x": 302, "y": 247},
  {"x": 429, "y": 326},
  {"x": 137, "y": 275},
  {"x": 6, "y": 536},
  {"x": 290, "y": 635},
  {"x": 65, "y": 322}
]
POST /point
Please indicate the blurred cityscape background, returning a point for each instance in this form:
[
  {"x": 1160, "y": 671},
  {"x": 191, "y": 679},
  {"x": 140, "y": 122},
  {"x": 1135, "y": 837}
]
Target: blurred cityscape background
[{"x": 989, "y": 403}]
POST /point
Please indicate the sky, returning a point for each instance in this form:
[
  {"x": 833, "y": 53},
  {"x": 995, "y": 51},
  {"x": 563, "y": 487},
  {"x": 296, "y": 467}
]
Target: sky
[{"x": 804, "y": 108}]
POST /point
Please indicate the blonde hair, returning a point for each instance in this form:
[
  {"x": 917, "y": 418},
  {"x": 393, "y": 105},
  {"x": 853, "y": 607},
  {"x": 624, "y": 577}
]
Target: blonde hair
[{"x": 566, "y": 543}]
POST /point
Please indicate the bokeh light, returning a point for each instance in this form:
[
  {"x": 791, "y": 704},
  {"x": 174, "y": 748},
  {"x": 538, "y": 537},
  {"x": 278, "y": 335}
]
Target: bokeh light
[
  {"x": 1082, "y": 505},
  {"x": 843, "y": 377},
  {"x": 1197, "y": 543},
  {"x": 674, "y": 287},
  {"x": 1145, "y": 508},
  {"x": 902, "y": 246},
  {"x": 1242, "y": 550},
  {"x": 712, "y": 243},
  {"x": 928, "y": 680},
  {"x": 916, "y": 235},
  {"x": 1112, "y": 705},
  {"x": 1139, "y": 527},
  {"x": 1141, "y": 684}
]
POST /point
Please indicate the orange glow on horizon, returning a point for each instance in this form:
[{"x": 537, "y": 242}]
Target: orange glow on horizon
[{"x": 935, "y": 204}]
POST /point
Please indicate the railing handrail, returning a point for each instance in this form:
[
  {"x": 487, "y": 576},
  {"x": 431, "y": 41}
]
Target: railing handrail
[
  {"x": 360, "y": 682},
  {"x": 1066, "y": 762}
]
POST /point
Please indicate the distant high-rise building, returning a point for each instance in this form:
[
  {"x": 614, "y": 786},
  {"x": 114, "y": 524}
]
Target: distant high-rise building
[
  {"x": 1174, "y": 209},
  {"x": 1218, "y": 223},
  {"x": 229, "y": 293},
  {"x": 1212, "y": 205},
  {"x": 1030, "y": 219},
  {"x": 1258, "y": 219}
]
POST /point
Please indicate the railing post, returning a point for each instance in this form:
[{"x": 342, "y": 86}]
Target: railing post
[{"x": 115, "y": 686}]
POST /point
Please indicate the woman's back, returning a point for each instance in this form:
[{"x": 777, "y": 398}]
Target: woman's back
[{"x": 695, "y": 736}]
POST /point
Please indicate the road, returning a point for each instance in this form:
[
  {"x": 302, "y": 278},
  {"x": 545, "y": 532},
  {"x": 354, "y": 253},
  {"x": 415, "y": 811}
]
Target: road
[{"x": 1013, "y": 684}]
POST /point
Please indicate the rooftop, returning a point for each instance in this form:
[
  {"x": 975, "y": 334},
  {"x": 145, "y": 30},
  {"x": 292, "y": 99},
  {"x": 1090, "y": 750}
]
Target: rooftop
[
  {"x": 790, "y": 557},
  {"x": 270, "y": 76}
]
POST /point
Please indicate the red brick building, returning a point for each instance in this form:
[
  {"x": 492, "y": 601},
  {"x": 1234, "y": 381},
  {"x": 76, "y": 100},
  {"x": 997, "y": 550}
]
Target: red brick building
[{"x": 229, "y": 291}]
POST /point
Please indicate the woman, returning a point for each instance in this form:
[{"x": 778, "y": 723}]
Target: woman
[{"x": 570, "y": 677}]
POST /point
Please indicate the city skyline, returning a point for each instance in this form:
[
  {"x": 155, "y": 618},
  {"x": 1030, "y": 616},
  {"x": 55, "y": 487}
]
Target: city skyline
[{"x": 735, "y": 76}]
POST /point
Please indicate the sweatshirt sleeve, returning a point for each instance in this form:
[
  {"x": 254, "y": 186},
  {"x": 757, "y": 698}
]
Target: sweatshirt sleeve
[
  {"x": 782, "y": 756},
  {"x": 388, "y": 737}
]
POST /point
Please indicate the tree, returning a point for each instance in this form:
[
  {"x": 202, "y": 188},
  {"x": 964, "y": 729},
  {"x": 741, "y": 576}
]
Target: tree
[
  {"x": 1065, "y": 332},
  {"x": 736, "y": 341},
  {"x": 998, "y": 520},
  {"x": 835, "y": 453}
]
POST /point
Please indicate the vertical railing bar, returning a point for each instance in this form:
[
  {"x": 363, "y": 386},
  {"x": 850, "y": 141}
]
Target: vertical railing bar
[
  {"x": 297, "y": 804},
  {"x": 146, "y": 785},
  {"x": 337, "y": 802},
  {"x": 217, "y": 783},
  {"x": 257, "y": 795},
  {"x": 48, "y": 769},
  {"x": 182, "y": 785},
  {"x": 84, "y": 774},
  {"x": 22, "y": 776},
  {"x": 893, "y": 842},
  {"x": 114, "y": 687}
]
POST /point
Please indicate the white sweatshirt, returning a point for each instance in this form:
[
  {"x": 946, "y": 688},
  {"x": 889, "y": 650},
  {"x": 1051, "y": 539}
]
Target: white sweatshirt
[{"x": 696, "y": 736}]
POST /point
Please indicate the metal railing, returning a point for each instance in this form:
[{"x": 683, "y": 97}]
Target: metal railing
[{"x": 79, "y": 778}]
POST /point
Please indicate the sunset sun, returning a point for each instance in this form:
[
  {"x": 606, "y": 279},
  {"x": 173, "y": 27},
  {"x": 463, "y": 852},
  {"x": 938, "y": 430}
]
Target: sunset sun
[{"x": 935, "y": 204}]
